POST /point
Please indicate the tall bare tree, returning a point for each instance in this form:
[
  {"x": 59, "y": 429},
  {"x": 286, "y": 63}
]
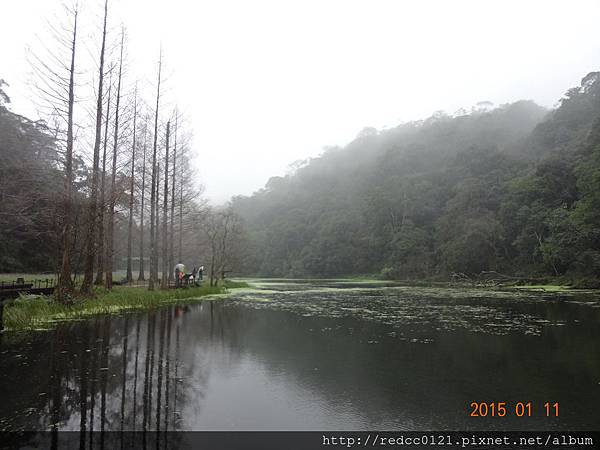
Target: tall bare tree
[
  {"x": 102, "y": 204},
  {"x": 65, "y": 285},
  {"x": 155, "y": 252},
  {"x": 154, "y": 192},
  {"x": 141, "y": 276},
  {"x": 129, "y": 275},
  {"x": 180, "y": 252},
  {"x": 86, "y": 286},
  {"x": 171, "y": 262},
  {"x": 110, "y": 242},
  {"x": 222, "y": 231},
  {"x": 165, "y": 242}
]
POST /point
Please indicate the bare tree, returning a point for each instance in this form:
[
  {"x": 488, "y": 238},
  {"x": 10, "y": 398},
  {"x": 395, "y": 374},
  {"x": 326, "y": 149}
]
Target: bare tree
[
  {"x": 212, "y": 229},
  {"x": 86, "y": 286},
  {"x": 54, "y": 81},
  {"x": 188, "y": 202},
  {"x": 171, "y": 262},
  {"x": 153, "y": 194},
  {"x": 113, "y": 192},
  {"x": 129, "y": 275},
  {"x": 102, "y": 205},
  {"x": 221, "y": 229},
  {"x": 155, "y": 252},
  {"x": 65, "y": 285},
  {"x": 141, "y": 276},
  {"x": 181, "y": 178},
  {"x": 165, "y": 242}
]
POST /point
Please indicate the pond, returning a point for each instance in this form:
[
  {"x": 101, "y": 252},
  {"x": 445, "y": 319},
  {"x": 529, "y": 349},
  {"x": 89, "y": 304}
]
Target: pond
[{"x": 308, "y": 355}]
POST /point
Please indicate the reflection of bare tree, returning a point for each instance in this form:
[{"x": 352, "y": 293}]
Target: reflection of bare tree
[
  {"x": 55, "y": 366},
  {"x": 94, "y": 370},
  {"x": 104, "y": 370},
  {"x": 160, "y": 369},
  {"x": 177, "y": 356},
  {"x": 124, "y": 379},
  {"x": 83, "y": 389},
  {"x": 88, "y": 379},
  {"x": 135, "y": 370},
  {"x": 169, "y": 330},
  {"x": 193, "y": 371},
  {"x": 151, "y": 374},
  {"x": 149, "y": 326}
]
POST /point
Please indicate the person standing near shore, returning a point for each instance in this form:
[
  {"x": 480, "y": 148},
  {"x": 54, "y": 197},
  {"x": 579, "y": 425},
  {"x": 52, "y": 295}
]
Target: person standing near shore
[{"x": 179, "y": 273}]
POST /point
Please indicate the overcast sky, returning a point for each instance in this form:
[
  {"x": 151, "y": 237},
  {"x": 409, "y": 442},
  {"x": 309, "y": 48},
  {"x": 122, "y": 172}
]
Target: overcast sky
[{"x": 266, "y": 83}]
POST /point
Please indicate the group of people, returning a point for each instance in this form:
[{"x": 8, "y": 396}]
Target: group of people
[{"x": 188, "y": 279}]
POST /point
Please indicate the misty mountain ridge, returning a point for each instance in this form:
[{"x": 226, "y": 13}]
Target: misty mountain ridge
[
  {"x": 433, "y": 140},
  {"x": 393, "y": 200}
]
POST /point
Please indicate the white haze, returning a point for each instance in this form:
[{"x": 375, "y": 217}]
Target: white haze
[{"x": 268, "y": 82}]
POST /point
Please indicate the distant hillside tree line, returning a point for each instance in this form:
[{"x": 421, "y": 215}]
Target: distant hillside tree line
[{"x": 513, "y": 190}]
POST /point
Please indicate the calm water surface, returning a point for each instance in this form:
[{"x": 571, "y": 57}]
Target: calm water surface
[{"x": 306, "y": 355}]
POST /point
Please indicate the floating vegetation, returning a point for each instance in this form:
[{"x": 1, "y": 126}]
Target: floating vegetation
[{"x": 426, "y": 309}]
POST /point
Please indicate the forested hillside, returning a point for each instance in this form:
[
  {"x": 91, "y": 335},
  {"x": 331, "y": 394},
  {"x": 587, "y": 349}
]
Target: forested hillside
[
  {"x": 515, "y": 189},
  {"x": 28, "y": 178}
]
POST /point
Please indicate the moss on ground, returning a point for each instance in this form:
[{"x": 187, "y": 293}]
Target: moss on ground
[{"x": 41, "y": 312}]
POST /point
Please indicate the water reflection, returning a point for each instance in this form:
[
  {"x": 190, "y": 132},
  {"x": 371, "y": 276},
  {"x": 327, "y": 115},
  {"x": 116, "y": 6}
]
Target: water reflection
[{"x": 246, "y": 364}]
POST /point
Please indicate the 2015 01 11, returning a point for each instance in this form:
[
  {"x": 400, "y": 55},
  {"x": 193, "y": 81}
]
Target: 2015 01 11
[{"x": 518, "y": 409}]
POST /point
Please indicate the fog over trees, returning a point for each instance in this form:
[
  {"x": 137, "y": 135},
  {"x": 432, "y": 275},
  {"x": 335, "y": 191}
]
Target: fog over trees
[
  {"x": 102, "y": 181},
  {"x": 437, "y": 271},
  {"x": 513, "y": 191}
]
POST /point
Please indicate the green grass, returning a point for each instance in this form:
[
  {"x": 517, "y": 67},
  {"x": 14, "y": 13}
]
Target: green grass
[{"x": 29, "y": 313}]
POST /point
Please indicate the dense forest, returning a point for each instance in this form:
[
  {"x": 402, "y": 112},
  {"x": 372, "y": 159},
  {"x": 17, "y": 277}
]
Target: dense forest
[
  {"x": 513, "y": 190},
  {"x": 28, "y": 179}
]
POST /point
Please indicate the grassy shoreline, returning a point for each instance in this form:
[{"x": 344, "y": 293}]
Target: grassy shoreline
[{"x": 41, "y": 312}]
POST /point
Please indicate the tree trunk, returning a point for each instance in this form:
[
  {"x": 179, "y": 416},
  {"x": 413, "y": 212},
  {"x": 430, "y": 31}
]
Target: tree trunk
[
  {"x": 181, "y": 210},
  {"x": 90, "y": 250},
  {"x": 102, "y": 206},
  {"x": 141, "y": 276},
  {"x": 165, "y": 243},
  {"x": 130, "y": 229},
  {"x": 110, "y": 247},
  {"x": 65, "y": 285},
  {"x": 171, "y": 225},
  {"x": 157, "y": 224},
  {"x": 212, "y": 266},
  {"x": 153, "y": 191}
]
